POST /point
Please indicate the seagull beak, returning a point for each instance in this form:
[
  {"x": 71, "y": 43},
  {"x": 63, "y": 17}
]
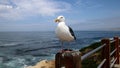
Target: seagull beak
[{"x": 57, "y": 20}]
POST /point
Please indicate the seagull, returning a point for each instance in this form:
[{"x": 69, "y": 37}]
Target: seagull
[{"x": 64, "y": 32}]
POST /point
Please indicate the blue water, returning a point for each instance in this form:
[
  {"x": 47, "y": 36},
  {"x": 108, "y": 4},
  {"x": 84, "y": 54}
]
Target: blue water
[{"x": 18, "y": 49}]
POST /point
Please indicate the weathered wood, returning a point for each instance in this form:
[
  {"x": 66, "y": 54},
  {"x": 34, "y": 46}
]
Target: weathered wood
[
  {"x": 106, "y": 53},
  {"x": 117, "y": 47},
  {"x": 68, "y": 59}
]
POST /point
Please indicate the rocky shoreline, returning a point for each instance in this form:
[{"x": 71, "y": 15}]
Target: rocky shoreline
[
  {"x": 92, "y": 61},
  {"x": 44, "y": 64}
]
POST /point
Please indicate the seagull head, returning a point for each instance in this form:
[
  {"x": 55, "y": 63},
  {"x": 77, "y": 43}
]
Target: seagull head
[{"x": 60, "y": 19}]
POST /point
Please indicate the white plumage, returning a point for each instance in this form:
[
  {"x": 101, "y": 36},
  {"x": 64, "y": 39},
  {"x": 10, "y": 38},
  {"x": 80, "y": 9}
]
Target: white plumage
[{"x": 64, "y": 32}]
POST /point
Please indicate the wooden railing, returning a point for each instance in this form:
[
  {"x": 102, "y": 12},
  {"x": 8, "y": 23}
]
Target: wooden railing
[{"x": 73, "y": 59}]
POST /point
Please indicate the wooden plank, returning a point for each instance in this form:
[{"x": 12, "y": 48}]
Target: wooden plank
[
  {"x": 117, "y": 47},
  {"x": 71, "y": 59},
  {"x": 106, "y": 52}
]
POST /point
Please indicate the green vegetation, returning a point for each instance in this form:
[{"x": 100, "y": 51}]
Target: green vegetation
[{"x": 94, "y": 60}]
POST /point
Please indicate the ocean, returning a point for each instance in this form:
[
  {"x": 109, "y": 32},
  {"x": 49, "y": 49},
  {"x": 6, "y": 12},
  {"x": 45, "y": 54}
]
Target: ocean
[{"x": 19, "y": 49}]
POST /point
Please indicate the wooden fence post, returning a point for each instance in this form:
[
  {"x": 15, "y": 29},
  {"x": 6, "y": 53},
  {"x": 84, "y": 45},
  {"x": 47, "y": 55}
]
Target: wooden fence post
[
  {"x": 117, "y": 47},
  {"x": 106, "y": 52},
  {"x": 71, "y": 59}
]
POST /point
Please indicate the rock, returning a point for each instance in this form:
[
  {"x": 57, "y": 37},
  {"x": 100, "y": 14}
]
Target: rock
[{"x": 44, "y": 64}]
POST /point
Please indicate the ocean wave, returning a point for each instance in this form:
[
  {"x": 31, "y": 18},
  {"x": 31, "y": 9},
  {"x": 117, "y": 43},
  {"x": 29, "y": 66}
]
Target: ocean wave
[
  {"x": 11, "y": 44},
  {"x": 41, "y": 48}
]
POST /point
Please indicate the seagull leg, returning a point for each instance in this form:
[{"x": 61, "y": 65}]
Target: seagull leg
[
  {"x": 61, "y": 50},
  {"x": 69, "y": 48}
]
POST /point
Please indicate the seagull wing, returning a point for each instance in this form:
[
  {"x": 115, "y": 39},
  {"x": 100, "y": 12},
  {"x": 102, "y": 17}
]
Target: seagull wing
[{"x": 71, "y": 31}]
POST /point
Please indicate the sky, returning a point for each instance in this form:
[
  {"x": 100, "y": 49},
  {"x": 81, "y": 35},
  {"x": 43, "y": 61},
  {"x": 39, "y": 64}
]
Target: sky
[{"x": 39, "y": 15}]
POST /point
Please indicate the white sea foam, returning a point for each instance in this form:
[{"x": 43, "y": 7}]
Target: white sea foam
[{"x": 11, "y": 44}]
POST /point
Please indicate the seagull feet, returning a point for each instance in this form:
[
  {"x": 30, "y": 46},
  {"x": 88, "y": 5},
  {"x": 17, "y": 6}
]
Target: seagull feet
[{"x": 65, "y": 50}]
